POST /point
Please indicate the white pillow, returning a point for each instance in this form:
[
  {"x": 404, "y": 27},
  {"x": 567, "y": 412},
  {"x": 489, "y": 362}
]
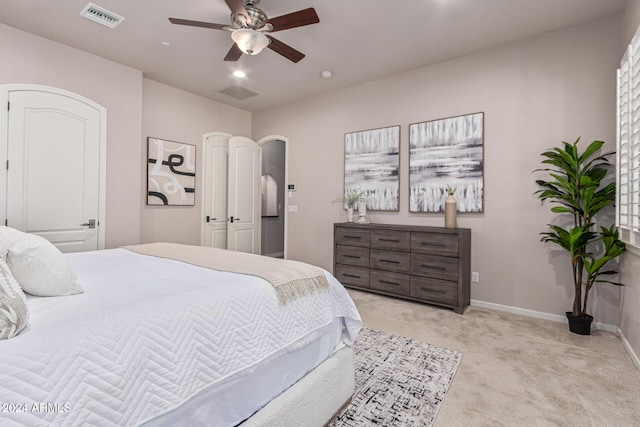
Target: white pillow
[
  {"x": 13, "y": 303},
  {"x": 38, "y": 266}
]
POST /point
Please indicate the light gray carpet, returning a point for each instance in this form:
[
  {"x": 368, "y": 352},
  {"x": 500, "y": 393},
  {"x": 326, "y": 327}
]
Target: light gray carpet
[
  {"x": 399, "y": 381},
  {"x": 518, "y": 371}
]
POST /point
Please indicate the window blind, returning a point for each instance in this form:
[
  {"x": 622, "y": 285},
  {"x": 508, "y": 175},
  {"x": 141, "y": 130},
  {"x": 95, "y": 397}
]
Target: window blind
[{"x": 628, "y": 145}]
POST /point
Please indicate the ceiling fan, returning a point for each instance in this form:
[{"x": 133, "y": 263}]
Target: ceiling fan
[{"x": 249, "y": 25}]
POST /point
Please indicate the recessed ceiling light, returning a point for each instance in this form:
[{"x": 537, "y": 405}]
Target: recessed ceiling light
[
  {"x": 165, "y": 43},
  {"x": 240, "y": 74},
  {"x": 326, "y": 74}
]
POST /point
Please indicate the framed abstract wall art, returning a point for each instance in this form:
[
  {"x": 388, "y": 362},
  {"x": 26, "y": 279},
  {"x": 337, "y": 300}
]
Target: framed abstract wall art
[
  {"x": 371, "y": 163},
  {"x": 447, "y": 152},
  {"x": 171, "y": 173}
]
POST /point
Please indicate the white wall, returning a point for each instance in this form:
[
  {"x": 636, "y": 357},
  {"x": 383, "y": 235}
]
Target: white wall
[
  {"x": 26, "y": 58},
  {"x": 630, "y": 22},
  {"x": 534, "y": 94},
  {"x": 176, "y": 115}
]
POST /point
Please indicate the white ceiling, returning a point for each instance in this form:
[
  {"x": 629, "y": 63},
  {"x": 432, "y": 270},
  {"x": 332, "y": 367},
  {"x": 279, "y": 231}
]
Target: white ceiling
[{"x": 359, "y": 40}]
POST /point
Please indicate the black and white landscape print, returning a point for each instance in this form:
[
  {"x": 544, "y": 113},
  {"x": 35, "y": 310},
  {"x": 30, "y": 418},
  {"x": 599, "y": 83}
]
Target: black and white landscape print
[
  {"x": 447, "y": 152},
  {"x": 371, "y": 164}
]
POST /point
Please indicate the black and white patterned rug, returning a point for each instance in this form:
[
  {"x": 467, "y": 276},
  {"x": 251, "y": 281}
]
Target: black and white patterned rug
[{"x": 399, "y": 381}]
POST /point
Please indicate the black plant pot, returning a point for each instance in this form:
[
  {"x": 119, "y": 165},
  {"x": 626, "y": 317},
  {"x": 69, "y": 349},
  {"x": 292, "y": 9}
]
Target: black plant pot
[{"x": 580, "y": 324}]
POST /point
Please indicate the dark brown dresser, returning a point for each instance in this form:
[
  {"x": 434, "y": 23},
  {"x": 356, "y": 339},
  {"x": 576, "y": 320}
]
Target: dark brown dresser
[{"x": 425, "y": 264}]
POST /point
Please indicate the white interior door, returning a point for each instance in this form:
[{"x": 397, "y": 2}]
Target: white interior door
[
  {"x": 243, "y": 195},
  {"x": 54, "y": 171},
  {"x": 214, "y": 200}
]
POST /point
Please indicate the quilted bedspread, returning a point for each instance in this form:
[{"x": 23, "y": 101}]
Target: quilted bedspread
[{"x": 146, "y": 335}]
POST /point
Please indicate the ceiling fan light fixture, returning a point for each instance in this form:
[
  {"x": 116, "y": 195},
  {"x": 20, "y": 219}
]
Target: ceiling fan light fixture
[{"x": 250, "y": 41}]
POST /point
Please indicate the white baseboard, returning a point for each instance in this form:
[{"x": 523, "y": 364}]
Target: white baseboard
[
  {"x": 539, "y": 314},
  {"x": 562, "y": 319},
  {"x": 627, "y": 346}
]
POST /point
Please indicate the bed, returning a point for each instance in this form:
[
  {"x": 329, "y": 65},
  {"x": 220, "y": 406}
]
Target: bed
[{"x": 154, "y": 341}]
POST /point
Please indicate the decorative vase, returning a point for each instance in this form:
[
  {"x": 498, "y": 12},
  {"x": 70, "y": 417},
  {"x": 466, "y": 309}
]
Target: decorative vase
[
  {"x": 580, "y": 324},
  {"x": 362, "y": 211},
  {"x": 349, "y": 214},
  {"x": 450, "y": 212}
]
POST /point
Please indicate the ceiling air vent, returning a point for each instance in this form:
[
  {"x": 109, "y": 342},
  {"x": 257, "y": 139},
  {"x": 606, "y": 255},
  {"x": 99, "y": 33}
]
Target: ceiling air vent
[
  {"x": 101, "y": 15},
  {"x": 238, "y": 92}
]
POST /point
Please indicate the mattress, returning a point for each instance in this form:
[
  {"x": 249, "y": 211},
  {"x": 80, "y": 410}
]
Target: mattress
[{"x": 149, "y": 334}]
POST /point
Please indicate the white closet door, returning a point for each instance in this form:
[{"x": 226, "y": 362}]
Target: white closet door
[
  {"x": 53, "y": 180},
  {"x": 244, "y": 195},
  {"x": 216, "y": 157}
]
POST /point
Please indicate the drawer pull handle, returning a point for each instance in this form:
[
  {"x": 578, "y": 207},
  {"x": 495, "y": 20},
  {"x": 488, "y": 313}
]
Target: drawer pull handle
[
  {"x": 390, "y": 240},
  {"x": 351, "y": 275},
  {"x": 352, "y": 237},
  {"x": 433, "y": 291},
  {"x": 390, "y": 261},
  {"x": 352, "y": 256},
  {"x": 386, "y": 282},
  {"x": 433, "y": 267},
  {"x": 433, "y": 244}
]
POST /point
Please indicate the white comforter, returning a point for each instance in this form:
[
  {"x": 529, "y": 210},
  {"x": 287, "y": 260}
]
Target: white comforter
[{"x": 147, "y": 334}]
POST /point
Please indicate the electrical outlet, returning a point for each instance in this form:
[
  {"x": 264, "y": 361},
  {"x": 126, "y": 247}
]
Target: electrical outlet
[
  {"x": 475, "y": 277},
  {"x": 293, "y": 208}
]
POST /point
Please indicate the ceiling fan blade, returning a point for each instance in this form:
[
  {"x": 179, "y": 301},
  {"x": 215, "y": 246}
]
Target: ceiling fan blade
[
  {"x": 294, "y": 19},
  {"x": 197, "y": 24},
  {"x": 238, "y": 10},
  {"x": 285, "y": 50},
  {"x": 234, "y": 53}
]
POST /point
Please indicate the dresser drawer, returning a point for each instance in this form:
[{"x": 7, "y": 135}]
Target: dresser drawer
[
  {"x": 395, "y": 283},
  {"x": 391, "y": 240},
  {"x": 354, "y": 276},
  {"x": 438, "y": 267},
  {"x": 441, "y": 291},
  {"x": 349, "y": 236},
  {"x": 399, "y": 262},
  {"x": 351, "y": 255},
  {"x": 434, "y": 243}
]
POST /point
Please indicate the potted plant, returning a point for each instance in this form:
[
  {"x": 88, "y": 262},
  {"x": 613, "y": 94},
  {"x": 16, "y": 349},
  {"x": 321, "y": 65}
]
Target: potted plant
[
  {"x": 577, "y": 189},
  {"x": 352, "y": 196}
]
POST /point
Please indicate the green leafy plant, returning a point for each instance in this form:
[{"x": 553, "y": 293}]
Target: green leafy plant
[
  {"x": 451, "y": 190},
  {"x": 576, "y": 188},
  {"x": 352, "y": 196}
]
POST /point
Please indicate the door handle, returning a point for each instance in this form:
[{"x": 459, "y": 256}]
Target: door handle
[
  {"x": 233, "y": 219},
  {"x": 90, "y": 224},
  {"x": 209, "y": 219}
]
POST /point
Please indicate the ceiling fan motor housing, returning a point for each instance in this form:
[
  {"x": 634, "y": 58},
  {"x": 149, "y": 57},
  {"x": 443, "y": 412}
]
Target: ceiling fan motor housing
[{"x": 257, "y": 17}]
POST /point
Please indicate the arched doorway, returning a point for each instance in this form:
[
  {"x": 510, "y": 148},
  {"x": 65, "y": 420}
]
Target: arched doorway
[{"x": 275, "y": 155}]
